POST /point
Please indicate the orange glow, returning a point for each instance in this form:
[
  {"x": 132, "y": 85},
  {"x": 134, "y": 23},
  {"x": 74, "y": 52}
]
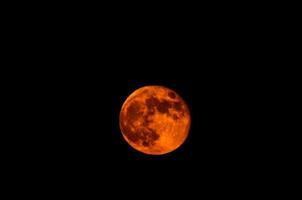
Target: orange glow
[{"x": 155, "y": 120}]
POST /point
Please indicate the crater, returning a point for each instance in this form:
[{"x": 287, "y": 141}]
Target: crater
[
  {"x": 132, "y": 136},
  {"x": 151, "y": 102},
  {"x": 175, "y": 117},
  {"x": 148, "y": 136},
  {"x": 177, "y": 105},
  {"x": 172, "y": 95},
  {"x": 164, "y": 106},
  {"x": 134, "y": 111}
]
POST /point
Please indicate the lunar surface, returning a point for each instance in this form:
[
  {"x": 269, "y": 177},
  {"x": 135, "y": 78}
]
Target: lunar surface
[{"x": 155, "y": 120}]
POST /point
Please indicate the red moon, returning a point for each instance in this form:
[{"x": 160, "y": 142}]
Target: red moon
[{"x": 155, "y": 120}]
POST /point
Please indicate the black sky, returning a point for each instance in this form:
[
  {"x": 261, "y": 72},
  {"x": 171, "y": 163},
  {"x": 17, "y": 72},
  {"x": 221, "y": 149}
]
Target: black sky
[
  {"x": 83, "y": 105},
  {"x": 72, "y": 66},
  {"x": 76, "y": 87}
]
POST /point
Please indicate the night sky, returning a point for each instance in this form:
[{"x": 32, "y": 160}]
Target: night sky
[
  {"x": 84, "y": 105},
  {"x": 71, "y": 71},
  {"x": 77, "y": 110},
  {"x": 78, "y": 89}
]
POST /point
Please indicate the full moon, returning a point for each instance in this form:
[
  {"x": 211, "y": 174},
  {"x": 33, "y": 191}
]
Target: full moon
[{"x": 155, "y": 120}]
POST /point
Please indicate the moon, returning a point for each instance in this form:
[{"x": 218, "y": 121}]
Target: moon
[{"x": 154, "y": 120}]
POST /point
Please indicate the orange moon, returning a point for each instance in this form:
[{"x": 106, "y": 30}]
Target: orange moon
[{"x": 155, "y": 120}]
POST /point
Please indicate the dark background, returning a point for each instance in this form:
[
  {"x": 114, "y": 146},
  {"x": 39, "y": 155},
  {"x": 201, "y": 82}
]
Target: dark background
[
  {"x": 80, "y": 70},
  {"x": 76, "y": 109}
]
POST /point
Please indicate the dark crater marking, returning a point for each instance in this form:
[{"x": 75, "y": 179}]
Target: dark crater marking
[
  {"x": 177, "y": 105},
  {"x": 162, "y": 106},
  {"x": 144, "y": 134},
  {"x": 172, "y": 95},
  {"x": 134, "y": 112}
]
